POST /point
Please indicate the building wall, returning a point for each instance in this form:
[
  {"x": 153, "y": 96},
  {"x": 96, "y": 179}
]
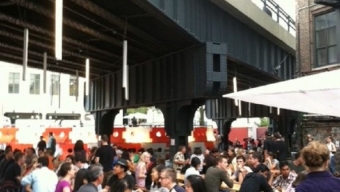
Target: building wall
[
  {"x": 39, "y": 103},
  {"x": 321, "y": 130},
  {"x": 305, "y": 12}
]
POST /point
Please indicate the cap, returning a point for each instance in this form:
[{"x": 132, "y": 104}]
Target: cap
[{"x": 122, "y": 162}]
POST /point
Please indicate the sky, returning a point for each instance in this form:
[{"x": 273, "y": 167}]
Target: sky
[{"x": 287, "y": 5}]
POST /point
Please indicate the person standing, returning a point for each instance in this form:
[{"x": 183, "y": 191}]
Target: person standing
[
  {"x": 51, "y": 143},
  {"x": 41, "y": 144},
  {"x": 269, "y": 145},
  {"x": 104, "y": 156},
  {"x": 332, "y": 150}
]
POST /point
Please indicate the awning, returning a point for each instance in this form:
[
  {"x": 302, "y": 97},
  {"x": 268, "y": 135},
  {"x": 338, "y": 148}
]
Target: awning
[{"x": 319, "y": 93}]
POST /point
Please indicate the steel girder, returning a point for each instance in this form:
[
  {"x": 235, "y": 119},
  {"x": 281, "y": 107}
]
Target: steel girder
[{"x": 196, "y": 73}]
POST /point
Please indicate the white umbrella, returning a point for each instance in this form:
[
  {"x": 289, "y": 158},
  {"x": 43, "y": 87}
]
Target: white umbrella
[
  {"x": 319, "y": 93},
  {"x": 136, "y": 115}
]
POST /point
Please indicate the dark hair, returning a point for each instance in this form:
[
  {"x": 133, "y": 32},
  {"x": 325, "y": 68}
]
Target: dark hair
[
  {"x": 71, "y": 157},
  {"x": 78, "y": 146},
  {"x": 283, "y": 164},
  {"x": 93, "y": 149},
  {"x": 214, "y": 150},
  {"x": 126, "y": 155},
  {"x": 195, "y": 161},
  {"x": 159, "y": 169},
  {"x": 261, "y": 168},
  {"x": 197, "y": 151},
  {"x": 141, "y": 150},
  {"x": 150, "y": 151},
  {"x": 272, "y": 154},
  {"x": 181, "y": 147},
  {"x": 18, "y": 156},
  {"x": 296, "y": 155},
  {"x": 120, "y": 186},
  {"x": 79, "y": 180},
  {"x": 220, "y": 159},
  {"x": 8, "y": 150},
  {"x": 43, "y": 161},
  {"x": 197, "y": 183},
  {"x": 256, "y": 155},
  {"x": 50, "y": 133},
  {"x": 64, "y": 168},
  {"x": 105, "y": 138}
]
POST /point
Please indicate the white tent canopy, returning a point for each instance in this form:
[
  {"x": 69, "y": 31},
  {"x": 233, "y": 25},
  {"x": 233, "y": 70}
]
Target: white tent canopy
[
  {"x": 136, "y": 115},
  {"x": 319, "y": 93}
]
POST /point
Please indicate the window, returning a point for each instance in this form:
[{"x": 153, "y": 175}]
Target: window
[
  {"x": 55, "y": 84},
  {"x": 13, "y": 82},
  {"x": 73, "y": 86},
  {"x": 325, "y": 39},
  {"x": 35, "y": 84}
]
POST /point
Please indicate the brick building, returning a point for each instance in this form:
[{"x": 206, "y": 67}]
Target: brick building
[
  {"x": 318, "y": 48},
  {"x": 318, "y": 35}
]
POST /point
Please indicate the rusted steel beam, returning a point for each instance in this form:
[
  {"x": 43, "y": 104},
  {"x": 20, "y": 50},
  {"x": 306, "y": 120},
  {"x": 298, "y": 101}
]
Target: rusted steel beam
[
  {"x": 71, "y": 63},
  {"x": 103, "y": 13},
  {"x": 49, "y": 47},
  {"x": 35, "y": 28},
  {"x": 51, "y": 67},
  {"x": 80, "y": 27}
]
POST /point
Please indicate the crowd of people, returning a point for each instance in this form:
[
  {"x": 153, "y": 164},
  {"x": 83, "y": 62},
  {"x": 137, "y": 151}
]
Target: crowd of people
[
  {"x": 109, "y": 168},
  {"x": 310, "y": 170}
]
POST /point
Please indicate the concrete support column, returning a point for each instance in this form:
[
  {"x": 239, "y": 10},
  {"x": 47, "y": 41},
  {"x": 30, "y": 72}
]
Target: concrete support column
[
  {"x": 178, "y": 121},
  {"x": 224, "y": 127},
  {"x": 104, "y": 122}
]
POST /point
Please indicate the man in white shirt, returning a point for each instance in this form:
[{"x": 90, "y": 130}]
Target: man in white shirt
[
  {"x": 332, "y": 149},
  {"x": 41, "y": 179},
  {"x": 242, "y": 170},
  {"x": 193, "y": 170}
]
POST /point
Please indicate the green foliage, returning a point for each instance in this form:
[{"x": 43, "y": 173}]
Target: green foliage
[
  {"x": 137, "y": 110},
  {"x": 264, "y": 122}
]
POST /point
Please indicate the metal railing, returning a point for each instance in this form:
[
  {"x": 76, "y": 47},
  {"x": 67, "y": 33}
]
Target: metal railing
[{"x": 270, "y": 7}]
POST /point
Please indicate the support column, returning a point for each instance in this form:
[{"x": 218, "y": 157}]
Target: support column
[
  {"x": 104, "y": 121},
  {"x": 224, "y": 128},
  {"x": 178, "y": 121}
]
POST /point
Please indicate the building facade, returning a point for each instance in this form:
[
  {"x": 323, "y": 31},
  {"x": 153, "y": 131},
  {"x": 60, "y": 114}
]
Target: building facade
[
  {"x": 318, "y": 37},
  {"x": 318, "y": 48},
  {"x": 27, "y": 99}
]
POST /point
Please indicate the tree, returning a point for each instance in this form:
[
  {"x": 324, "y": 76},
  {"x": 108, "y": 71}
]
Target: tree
[
  {"x": 264, "y": 122},
  {"x": 137, "y": 110}
]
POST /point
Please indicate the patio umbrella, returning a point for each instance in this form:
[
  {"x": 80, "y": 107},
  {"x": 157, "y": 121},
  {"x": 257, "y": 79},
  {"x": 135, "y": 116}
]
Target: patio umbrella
[
  {"x": 319, "y": 93},
  {"x": 136, "y": 115}
]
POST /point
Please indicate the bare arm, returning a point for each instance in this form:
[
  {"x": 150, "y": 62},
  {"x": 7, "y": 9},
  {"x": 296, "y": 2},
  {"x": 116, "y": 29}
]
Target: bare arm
[
  {"x": 141, "y": 174},
  {"x": 66, "y": 189},
  {"x": 225, "y": 178}
]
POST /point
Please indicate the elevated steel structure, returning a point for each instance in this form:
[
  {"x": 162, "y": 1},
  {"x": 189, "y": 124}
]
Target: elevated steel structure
[{"x": 181, "y": 54}]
